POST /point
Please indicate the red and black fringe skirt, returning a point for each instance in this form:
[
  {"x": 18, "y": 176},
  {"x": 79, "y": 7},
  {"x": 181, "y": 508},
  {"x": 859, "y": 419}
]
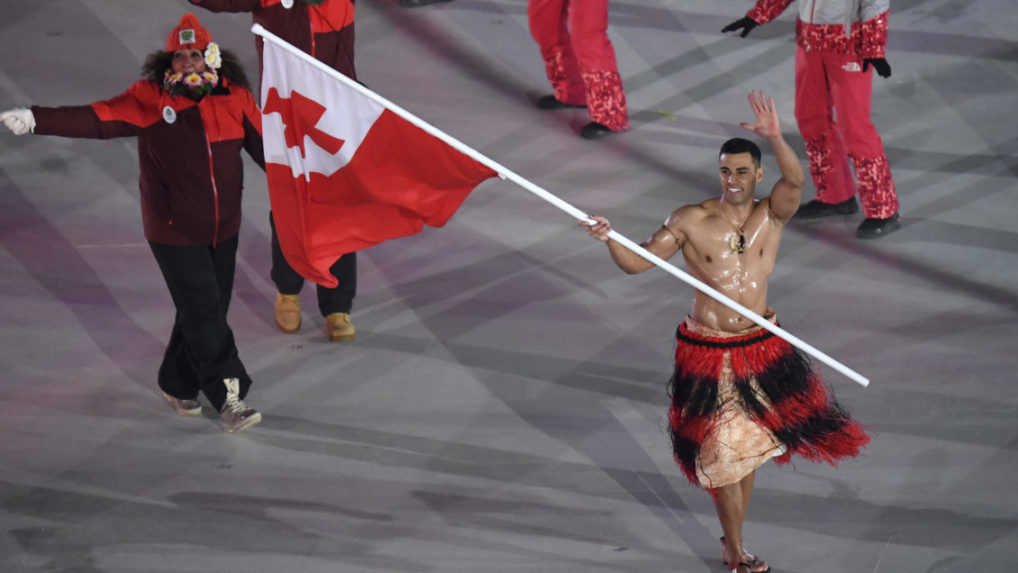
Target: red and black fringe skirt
[{"x": 769, "y": 382}]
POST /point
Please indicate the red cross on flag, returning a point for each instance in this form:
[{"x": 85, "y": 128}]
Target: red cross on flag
[{"x": 345, "y": 172}]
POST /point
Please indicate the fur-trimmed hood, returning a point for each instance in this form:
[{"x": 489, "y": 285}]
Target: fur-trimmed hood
[{"x": 157, "y": 63}]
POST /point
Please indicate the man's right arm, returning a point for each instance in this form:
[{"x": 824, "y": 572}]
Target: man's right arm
[{"x": 664, "y": 243}]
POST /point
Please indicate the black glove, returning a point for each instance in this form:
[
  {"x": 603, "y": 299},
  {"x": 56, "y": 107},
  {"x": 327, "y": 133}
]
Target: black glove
[
  {"x": 879, "y": 64},
  {"x": 747, "y": 25}
]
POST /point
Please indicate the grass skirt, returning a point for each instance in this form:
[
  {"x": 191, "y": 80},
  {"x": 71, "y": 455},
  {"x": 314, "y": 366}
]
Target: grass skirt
[{"x": 740, "y": 399}]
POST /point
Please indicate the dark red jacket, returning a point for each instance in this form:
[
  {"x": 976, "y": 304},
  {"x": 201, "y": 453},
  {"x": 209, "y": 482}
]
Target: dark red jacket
[
  {"x": 324, "y": 30},
  {"x": 181, "y": 144}
]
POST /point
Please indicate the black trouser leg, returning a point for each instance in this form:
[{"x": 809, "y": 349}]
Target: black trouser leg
[
  {"x": 340, "y": 299},
  {"x": 330, "y": 300},
  {"x": 177, "y": 374},
  {"x": 288, "y": 281},
  {"x": 201, "y": 351}
]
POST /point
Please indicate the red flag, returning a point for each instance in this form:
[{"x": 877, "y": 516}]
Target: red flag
[{"x": 346, "y": 173}]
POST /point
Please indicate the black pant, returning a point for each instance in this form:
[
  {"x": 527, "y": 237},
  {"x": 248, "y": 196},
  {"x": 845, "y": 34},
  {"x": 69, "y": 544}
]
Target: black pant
[
  {"x": 330, "y": 300},
  {"x": 201, "y": 352}
]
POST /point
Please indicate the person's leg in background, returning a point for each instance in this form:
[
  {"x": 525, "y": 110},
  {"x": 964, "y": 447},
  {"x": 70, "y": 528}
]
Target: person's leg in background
[
  {"x": 605, "y": 96},
  {"x": 548, "y": 27},
  {"x": 825, "y": 148},
  {"x": 336, "y": 303},
  {"x": 852, "y": 91},
  {"x": 288, "y": 286}
]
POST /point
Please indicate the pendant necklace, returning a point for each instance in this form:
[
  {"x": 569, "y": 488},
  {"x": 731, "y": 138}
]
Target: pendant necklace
[{"x": 737, "y": 242}]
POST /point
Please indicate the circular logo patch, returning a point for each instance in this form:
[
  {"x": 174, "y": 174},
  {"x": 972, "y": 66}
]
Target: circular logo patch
[
  {"x": 169, "y": 114},
  {"x": 287, "y": 4}
]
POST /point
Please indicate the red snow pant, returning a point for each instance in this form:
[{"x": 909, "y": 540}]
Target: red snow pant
[
  {"x": 829, "y": 82},
  {"x": 579, "y": 58}
]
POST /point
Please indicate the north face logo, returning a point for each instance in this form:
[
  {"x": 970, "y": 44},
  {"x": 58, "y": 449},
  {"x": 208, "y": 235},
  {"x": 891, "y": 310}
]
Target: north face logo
[{"x": 851, "y": 67}]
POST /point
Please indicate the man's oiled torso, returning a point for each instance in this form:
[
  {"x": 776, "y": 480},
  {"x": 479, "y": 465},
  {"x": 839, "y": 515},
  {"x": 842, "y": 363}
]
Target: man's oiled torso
[{"x": 712, "y": 254}]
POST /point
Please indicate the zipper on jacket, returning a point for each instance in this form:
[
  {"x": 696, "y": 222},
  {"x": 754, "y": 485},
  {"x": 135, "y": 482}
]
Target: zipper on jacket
[
  {"x": 215, "y": 190},
  {"x": 311, "y": 30}
]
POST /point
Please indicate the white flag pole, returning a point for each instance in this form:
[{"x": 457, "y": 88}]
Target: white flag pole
[{"x": 509, "y": 175}]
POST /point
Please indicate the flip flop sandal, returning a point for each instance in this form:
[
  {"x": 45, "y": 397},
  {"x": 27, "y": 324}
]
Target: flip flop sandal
[{"x": 754, "y": 562}]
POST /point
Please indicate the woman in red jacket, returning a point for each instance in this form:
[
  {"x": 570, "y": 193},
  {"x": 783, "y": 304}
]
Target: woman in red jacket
[{"x": 192, "y": 114}]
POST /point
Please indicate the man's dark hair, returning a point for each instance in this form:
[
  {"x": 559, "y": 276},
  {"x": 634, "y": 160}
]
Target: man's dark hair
[
  {"x": 157, "y": 63},
  {"x": 740, "y": 145}
]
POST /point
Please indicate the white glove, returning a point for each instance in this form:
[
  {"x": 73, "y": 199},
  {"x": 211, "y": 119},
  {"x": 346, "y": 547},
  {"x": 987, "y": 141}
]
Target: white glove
[{"x": 20, "y": 121}]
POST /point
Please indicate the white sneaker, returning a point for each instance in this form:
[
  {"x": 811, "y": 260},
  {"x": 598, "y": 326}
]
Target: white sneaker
[
  {"x": 235, "y": 414},
  {"x": 183, "y": 407}
]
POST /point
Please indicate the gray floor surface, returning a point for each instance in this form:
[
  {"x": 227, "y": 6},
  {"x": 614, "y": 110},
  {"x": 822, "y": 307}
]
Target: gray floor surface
[{"x": 503, "y": 408}]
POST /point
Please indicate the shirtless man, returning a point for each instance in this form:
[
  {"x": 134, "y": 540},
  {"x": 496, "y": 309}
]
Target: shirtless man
[{"x": 740, "y": 395}]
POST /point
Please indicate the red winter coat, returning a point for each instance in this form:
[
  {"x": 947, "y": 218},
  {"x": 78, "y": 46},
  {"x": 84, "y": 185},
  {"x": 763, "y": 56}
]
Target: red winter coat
[
  {"x": 851, "y": 27},
  {"x": 324, "y": 30},
  {"x": 181, "y": 144}
]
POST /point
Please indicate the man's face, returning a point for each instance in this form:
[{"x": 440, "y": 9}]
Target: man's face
[
  {"x": 739, "y": 176},
  {"x": 187, "y": 61}
]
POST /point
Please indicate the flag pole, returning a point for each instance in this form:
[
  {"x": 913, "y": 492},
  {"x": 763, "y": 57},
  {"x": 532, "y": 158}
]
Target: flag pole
[{"x": 509, "y": 175}]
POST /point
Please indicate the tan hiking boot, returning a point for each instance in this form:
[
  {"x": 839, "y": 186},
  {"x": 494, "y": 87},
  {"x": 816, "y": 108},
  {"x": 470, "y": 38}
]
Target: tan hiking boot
[
  {"x": 339, "y": 328},
  {"x": 288, "y": 312}
]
